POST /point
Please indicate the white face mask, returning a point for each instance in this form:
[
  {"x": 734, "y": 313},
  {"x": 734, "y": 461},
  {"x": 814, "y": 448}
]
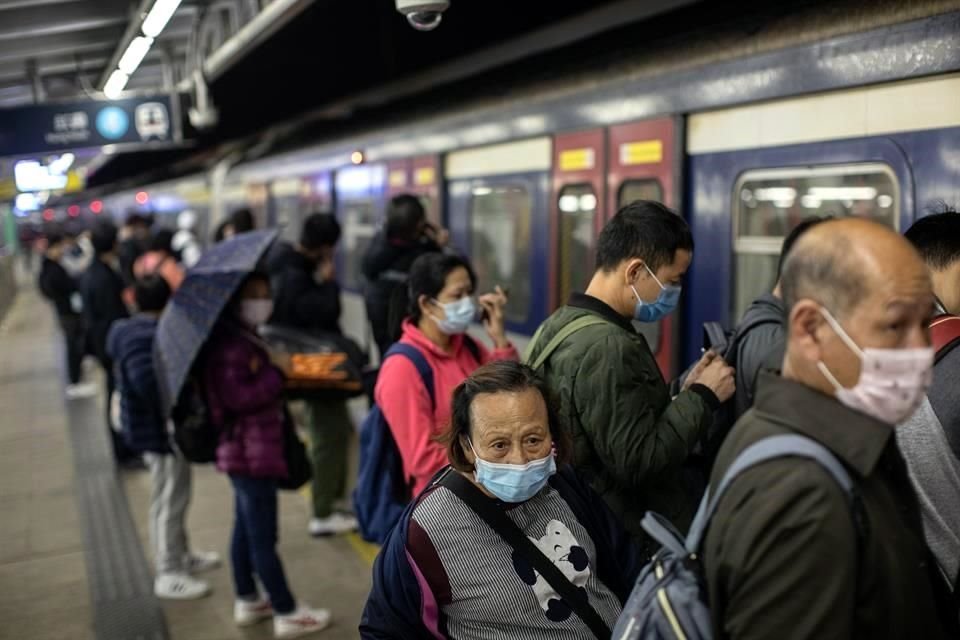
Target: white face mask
[
  {"x": 257, "y": 311},
  {"x": 892, "y": 382}
]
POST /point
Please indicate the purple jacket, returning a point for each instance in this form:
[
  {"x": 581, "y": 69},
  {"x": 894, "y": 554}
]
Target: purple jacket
[{"x": 244, "y": 396}]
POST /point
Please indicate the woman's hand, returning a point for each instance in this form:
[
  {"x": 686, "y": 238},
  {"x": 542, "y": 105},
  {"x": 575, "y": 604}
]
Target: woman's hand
[{"x": 493, "y": 304}]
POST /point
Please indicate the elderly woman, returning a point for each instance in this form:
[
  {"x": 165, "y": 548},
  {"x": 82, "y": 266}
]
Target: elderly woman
[{"x": 444, "y": 572}]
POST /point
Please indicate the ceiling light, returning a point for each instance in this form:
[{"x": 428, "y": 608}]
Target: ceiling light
[
  {"x": 159, "y": 16},
  {"x": 133, "y": 56},
  {"x": 115, "y": 84}
]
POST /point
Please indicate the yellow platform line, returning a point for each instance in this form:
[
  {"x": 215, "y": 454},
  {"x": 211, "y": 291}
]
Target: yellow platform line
[{"x": 367, "y": 551}]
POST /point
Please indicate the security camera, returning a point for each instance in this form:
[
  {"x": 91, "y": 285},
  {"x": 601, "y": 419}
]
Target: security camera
[{"x": 423, "y": 15}]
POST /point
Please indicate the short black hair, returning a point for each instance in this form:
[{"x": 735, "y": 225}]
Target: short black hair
[
  {"x": 221, "y": 231},
  {"x": 937, "y": 238},
  {"x": 405, "y": 214},
  {"x": 137, "y": 220},
  {"x": 103, "y": 237},
  {"x": 499, "y": 376},
  {"x": 319, "y": 230},
  {"x": 242, "y": 221},
  {"x": 55, "y": 235},
  {"x": 162, "y": 241},
  {"x": 427, "y": 277},
  {"x": 151, "y": 293},
  {"x": 802, "y": 227},
  {"x": 643, "y": 229}
]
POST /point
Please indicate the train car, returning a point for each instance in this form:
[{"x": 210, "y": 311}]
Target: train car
[{"x": 742, "y": 146}]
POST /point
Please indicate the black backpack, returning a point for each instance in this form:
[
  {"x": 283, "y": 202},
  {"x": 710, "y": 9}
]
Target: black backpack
[{"x": 193, "y": 433}]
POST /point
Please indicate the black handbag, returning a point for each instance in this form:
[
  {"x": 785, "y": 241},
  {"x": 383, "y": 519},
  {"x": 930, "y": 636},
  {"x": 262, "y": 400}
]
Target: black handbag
[{"x": 299, "y": 470}]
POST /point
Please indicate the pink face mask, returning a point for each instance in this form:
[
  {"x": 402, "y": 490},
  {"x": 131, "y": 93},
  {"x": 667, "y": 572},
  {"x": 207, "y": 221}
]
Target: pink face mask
[{"x": 892, "y": 382}]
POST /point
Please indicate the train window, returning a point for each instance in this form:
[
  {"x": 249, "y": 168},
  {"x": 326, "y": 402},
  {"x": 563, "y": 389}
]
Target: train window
[
  {"x": 578, "y": 210},
  {"x": 358, "y": 217},
  {"x": 500, "y": 243},
  {"x": 768, "y": 203},
  {"x": 645, "y": 189}
]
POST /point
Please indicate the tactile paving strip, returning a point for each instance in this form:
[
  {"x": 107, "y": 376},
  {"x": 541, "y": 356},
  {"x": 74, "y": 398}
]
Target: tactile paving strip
[{"x": 120, "y": 582}]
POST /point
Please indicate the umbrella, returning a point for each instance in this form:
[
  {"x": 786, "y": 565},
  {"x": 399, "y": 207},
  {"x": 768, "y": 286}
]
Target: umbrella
[{"x": 196, "y": 306}]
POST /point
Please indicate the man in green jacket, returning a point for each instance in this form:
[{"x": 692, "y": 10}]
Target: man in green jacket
[
  {"x": 630, "y": 437},
  {"x": 787, "y": 554}
]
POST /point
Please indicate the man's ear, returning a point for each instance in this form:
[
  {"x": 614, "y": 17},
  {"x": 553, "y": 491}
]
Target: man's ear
[{"x": 804, "y": 323}]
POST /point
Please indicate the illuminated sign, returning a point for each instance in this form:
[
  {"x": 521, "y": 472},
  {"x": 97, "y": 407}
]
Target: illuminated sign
[
  {"x": 424, "y": 176},
  {"x": 30, "y": 175},
  {"x": 398, "y": 178},
  {"x": 577, "y": 159},
  {"x": 642, "y": 152}
]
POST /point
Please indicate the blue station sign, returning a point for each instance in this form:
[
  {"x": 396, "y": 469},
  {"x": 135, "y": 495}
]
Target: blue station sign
[{"x": 56, "y": 127}]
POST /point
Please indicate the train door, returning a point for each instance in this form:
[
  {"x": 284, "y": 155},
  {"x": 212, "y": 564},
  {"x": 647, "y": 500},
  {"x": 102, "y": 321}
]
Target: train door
[
  {"x": 576, "y": 212},
  {"x": 419, "y": 176},
  {"x": 497, "y": 209},
  {"x": 642, "y": 160}
]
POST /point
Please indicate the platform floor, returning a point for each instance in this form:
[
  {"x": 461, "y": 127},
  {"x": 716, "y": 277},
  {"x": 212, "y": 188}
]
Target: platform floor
[{"x": 43, "y": 556}]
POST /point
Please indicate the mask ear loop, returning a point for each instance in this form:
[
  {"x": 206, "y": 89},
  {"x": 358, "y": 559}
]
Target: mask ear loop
[{"x": 847, "y": 340}]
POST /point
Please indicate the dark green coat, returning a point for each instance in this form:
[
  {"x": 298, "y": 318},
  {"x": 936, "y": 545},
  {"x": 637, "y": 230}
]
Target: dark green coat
[
  {"x": 630, "y": 439},
  {"x": 783, "y": 556}
]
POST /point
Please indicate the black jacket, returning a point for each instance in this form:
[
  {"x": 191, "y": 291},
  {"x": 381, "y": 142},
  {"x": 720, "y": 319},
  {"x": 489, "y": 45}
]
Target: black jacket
[
  {"x": 102, "y": 291},
  {"x": 302, "y": 303},
  {"x": 386, "y": 265},
  {"x": 57, "y": 286}
]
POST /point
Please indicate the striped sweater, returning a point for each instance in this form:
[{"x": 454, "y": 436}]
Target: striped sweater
[{"x": 130, "y": 345}]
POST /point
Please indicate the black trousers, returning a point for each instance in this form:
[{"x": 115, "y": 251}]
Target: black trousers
[{"x": 75, "y": 337}]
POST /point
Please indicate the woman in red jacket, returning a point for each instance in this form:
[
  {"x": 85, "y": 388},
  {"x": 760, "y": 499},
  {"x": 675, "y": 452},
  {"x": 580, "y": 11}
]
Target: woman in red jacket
[{"x": 439, "y": 308}]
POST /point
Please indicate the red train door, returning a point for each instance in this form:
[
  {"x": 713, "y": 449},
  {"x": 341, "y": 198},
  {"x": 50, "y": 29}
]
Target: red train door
[
  {"x": 642, "y": 159},
  {"x": 419, "y": 176},
  {"x": 577, "y": 210}
]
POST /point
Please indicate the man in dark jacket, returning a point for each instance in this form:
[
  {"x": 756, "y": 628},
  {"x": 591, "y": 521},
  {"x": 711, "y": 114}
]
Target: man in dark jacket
[
  {"x": 930, "y": 438},
  {"x": 61, "y": 290},
  {"x": 134, "y": 242},
  {"x": 130, "y": 345},
  {"x": 786, "y": 552},
  {"x": 307, "y": 297},
  {"x": 406, "y": 236},
  {"x": 101, "y": 289},
  {"x": 630, "y": 437}
]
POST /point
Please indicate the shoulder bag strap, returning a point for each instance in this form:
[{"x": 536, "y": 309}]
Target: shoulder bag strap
[
  {"x": 423, "y": 367},
  {"x": 944, "y": 335},
  {"x": 580, "y": 323},
  {"x": 494, "y": 516}
]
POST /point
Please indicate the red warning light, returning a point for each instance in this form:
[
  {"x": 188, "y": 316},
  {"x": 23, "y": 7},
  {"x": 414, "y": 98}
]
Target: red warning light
[
  {"x": 142, "y": 197},
  {"x": 96, "y": 206},
  {"x": 49, "y": 214},
  {"x": 73, "y": 210}
]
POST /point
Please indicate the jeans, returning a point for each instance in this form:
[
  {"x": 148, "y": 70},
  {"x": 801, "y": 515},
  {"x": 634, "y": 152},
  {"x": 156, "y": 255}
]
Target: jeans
[
  {"x": 253, "y": 549},
  {"x": 169, "y": 499},
  {"x": 330, "y": 429}
]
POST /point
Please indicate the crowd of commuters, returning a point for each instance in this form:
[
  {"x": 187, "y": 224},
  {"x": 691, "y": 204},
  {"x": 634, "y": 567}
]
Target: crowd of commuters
[{"x": 526, "y": 483}]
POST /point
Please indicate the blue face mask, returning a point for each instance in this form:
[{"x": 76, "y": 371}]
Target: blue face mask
[
  {"x": 514, "y": 482},
  {"x": 458, "y": 314},
  {"x": 664, "y": 305}
]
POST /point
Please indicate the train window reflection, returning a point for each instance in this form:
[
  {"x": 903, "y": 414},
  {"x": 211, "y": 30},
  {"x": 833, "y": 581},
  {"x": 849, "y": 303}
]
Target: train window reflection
[
  {"x": 768, "y": 203},
  {"x": 359, "y": 223},
  {"x": 500, "y": 243},
  {"x": 645, "y": 189},
  {"x": 575, "y": 225}
]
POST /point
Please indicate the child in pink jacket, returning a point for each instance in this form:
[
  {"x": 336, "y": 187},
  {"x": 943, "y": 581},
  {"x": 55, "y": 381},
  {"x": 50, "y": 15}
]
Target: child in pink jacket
[{"x": 439, "y": 310}]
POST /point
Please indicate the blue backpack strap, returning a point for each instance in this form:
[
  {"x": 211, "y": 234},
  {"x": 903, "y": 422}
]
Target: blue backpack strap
[
  {"x": 761, "y": 451},
  {"x": 419, "y": 361}
]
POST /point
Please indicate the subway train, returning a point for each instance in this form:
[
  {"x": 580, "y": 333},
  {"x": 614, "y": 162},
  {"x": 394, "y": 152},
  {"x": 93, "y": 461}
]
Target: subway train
[{"x": 743, "y": 144}]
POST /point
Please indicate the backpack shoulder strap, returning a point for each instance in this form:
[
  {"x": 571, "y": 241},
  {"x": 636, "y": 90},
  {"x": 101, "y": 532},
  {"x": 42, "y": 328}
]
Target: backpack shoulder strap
[
  {"x": 494, "y": 516},
  {"x": 423, "y": 367},
  {"x": 944, "y": 335},
  {"x": 762, "y": 451},
  {"x": 580, "y": 323}
]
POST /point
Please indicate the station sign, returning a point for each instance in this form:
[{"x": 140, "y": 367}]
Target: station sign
[{"x": 56, "y": 127}]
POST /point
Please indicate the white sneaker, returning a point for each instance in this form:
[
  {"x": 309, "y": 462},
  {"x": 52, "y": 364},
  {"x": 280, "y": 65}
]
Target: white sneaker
[
  {"x": 200, "y": 561},
  {"x": 335, "y": 523},
  {"x": 247, "y": 613},
  {"x": 179, "y": 586},
  {"x": 81, "y": 390},
  {"x": 300, "y": 622}
]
